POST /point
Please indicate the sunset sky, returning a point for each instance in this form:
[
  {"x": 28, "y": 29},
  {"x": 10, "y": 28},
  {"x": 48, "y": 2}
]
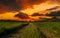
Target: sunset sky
[{"x": 9, "y": 8}]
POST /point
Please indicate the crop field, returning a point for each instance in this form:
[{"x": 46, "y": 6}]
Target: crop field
[{"x": 29, "y": 29}]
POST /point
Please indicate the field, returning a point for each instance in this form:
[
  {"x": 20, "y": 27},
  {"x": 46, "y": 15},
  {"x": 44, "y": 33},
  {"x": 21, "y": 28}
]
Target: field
[
  {"x": 50, "y": 27},
  {"x": 29, "y": 29},
  {"x": 8, "y": 25}
]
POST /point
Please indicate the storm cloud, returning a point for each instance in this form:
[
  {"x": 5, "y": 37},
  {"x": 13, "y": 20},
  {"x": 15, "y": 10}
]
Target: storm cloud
[
  {"x": 9, "y": 5},
  {"x": 16, "y": 5}
]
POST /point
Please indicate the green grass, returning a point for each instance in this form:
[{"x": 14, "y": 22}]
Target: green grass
[
  {"x": 51, "y": 27},
  {"x": 8, "y": 25},
  {"x": 30, "y": 31}
]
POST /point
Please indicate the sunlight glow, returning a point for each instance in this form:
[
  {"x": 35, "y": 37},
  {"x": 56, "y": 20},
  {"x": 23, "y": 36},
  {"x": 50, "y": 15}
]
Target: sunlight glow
[{"x": 38, "y": 8}]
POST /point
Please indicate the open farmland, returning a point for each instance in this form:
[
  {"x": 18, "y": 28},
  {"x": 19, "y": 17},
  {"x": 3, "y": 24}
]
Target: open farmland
[{"x": 15, "y": 29}]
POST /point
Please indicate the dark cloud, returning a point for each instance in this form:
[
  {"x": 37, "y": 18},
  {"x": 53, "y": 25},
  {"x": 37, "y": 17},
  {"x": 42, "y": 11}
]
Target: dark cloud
[
  {"x": 58, "y": 1},
  {"x": 12, "y": 4},
  {"x": 36, "y": 14},
  {"x": 16, "y": 5},
  {"x": 55, "y": 13},
  {"x": 56, "y": 7},
  {"x": 22, "y": 15},
  {"x": 9, "y": 5},
  {"x": 26, "y": 3},
  {"x": 36, "y": 1},
  {"x": 3, "y": 8}
]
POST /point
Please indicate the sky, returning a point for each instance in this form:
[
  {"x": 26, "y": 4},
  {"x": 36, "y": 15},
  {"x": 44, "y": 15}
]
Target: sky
[{"x": 9, "y": 8}]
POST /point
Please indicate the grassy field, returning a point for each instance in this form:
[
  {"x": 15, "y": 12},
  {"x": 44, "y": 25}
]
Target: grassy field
[
  {"x": 8, "y": 25},
  {"x": 31, "y": 31},
  {"x": 50, "y": 27}
]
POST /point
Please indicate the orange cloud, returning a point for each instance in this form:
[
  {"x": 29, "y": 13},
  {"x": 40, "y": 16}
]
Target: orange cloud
[
  {"x": 28, "y": 6},
  {"x": 29, "y": 3}
]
